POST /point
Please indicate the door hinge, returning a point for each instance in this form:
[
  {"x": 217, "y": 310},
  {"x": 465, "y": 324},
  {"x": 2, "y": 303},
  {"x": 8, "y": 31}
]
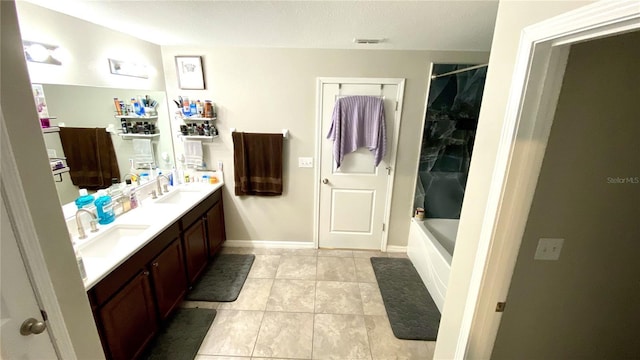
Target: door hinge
[
  {"x": 396, "y": 106},
  {"x": 500, "y": 306},
  {"x": 44, "y": 315},
  {"x": 383, "y": 226}
]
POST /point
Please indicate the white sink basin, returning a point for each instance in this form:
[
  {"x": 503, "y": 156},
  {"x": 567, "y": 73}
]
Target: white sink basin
[
  {"x": 179, "y": 196},
  {"x": 114, "y": 241}
]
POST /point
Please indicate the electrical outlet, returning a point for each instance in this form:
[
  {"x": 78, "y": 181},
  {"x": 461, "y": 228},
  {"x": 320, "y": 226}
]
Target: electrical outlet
[
  {"x": 548, "y": 249},
  {"x": 305, "y": 162}
]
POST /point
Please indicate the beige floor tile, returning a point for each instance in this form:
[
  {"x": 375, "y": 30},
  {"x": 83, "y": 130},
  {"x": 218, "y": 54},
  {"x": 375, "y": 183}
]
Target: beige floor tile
[
  {"x": 336, "y": 269},
  {"x": 384, "y": 345},
  {"x": 213, "y": 357},
  {"x": 292, "y": 296},
  {"x": 335, "y": 253},
  {"x": 199, "y": 304},
  {"x": 264, "y": 267},
  {"x": 253, "y": 296},
  {"x": 233, "y": 333},
  {"x": 287, "y": 335},
  {"x": 333, "y": 297},
  {"x": 340, "y": 337},
  {"x": 368, "y": 253},
  {"x": 364, "y": 270},
  {"x": 297, "y": 267},
  {"x": 266, "y": 251},
  {"x": 372, "y": 303},
  {"x": 300, "y": 252},
  {"x": 397, "y": 255}
]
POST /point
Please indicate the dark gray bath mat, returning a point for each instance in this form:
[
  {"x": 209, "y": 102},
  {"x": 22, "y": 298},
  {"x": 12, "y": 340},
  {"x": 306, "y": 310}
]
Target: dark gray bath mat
[
  {"x": 223, "y": 279},
  {"x": 183, "y": 335},
  {"x": 412, "y": 313}
]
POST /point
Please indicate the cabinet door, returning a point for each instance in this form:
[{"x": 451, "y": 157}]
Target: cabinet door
[
  {"x": 129, "y": 319},
  {"x": 215, "y": 228},
  {"x": 169, "y": 278},
  {"x": 195, "y": 248}
]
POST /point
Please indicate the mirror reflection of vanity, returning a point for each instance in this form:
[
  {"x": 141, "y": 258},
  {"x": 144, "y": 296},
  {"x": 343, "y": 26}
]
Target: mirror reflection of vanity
[{"x": 93, "y": 107}]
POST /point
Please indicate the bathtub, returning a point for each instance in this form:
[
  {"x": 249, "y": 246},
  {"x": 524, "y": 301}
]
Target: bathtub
[{"x": 430, "y": 248}]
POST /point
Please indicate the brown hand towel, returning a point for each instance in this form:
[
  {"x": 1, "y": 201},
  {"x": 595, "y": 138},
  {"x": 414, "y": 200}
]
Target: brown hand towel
[
  {"x": 257, "y": 160},
  {"x": 90, "y": 156}
]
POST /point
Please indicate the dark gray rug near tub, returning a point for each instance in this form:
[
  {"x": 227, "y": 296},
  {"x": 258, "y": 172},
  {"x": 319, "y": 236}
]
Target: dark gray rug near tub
[
  {"x": 223, "y": 278},
  {"x": 412, "y": 313},
  {"x": 181, "y": 338}
]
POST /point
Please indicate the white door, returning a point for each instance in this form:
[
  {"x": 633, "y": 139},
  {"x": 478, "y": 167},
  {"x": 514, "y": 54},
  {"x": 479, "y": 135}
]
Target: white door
[
  {"x": 354, "y": 199},
  {"x": 18, "y": 302}
]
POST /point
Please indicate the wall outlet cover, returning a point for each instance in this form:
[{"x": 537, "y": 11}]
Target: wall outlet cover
[
  {"x": 548, "y": 249},
  {"x": 305, "y": 162}
]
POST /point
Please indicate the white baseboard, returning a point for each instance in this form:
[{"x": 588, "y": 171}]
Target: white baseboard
[
  {"x": 270, "y": 244},
  {"x": 395, "y": 248}
]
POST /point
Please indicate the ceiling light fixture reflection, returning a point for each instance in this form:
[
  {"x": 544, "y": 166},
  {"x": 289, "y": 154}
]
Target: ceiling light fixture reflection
[{"x": 41, "y": 53}]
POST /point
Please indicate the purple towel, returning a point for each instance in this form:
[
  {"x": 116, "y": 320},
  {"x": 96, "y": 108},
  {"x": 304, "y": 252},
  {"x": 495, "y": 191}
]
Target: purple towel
[{"x": 358, "y": 121}]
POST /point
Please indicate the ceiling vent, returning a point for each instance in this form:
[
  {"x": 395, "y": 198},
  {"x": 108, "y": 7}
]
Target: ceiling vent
[{"x": 368, "y": 41}]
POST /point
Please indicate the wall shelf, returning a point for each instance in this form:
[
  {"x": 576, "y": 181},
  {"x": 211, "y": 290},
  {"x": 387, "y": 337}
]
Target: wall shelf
[
  {"x": 197, "y": 137},
  {"x": 134, "y": 117},
  {"x": 50, "y": 129},
  {"x": 138, "y": 136},
  {"x": 194, "y": 118}
]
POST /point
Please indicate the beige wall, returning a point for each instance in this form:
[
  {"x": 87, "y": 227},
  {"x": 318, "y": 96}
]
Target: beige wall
[
  {"x": 512, "y": 17},
  {"x": 265, "y": 90},
  {"x": 89, "y": 47},
  {"x": 586, "y": 304},
  {"x": 27, "y": 144}
]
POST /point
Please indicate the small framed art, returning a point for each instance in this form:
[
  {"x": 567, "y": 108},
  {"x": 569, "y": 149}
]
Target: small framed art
[{"x": 190, "y": 74}]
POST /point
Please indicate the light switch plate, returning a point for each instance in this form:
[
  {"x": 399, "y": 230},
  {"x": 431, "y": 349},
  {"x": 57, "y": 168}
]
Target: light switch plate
[
  {"x": 548, "y": 249},
  {"x": 305, "y": 162}
]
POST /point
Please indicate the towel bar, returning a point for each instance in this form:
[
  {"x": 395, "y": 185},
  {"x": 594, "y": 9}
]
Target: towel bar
[{"x": 285, "y": 132}]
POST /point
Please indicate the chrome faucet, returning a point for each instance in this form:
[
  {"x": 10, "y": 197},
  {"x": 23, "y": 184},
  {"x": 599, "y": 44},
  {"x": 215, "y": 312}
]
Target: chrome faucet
[
  {"x": 93, "y": 222},
  {"x": 158, "y": 188}
]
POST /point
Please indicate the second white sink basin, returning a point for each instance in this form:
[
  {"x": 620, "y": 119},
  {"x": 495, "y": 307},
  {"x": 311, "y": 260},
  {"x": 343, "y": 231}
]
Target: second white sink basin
[
  {"x": 179, "y": 196},
  {"x": 114, "y": 241}
]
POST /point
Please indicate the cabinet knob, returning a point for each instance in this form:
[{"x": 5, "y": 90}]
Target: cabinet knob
[
  {"x": 155, "y": 264},
  {"x": 145, "y": 273}
]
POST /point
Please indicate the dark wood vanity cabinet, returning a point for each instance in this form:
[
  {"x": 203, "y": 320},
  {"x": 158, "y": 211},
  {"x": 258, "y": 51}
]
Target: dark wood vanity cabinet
[
  {"x": 169, "y": 278},
  {"x": 195, "y": 245},
  {"x": 129, "y": 320},
  {"x": 132, "y": 301}
]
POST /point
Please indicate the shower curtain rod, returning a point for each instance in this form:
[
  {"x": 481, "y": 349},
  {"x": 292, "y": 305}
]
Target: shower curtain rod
[{"x": 459, "y": 71}]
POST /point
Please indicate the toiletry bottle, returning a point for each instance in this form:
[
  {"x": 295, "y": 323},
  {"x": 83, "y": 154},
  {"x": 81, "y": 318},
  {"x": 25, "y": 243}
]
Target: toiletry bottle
[
  {"x": 199, "y": 108},
  {"x": 193, "y": 109},
  {"x": 104, "y": 208},
  {"x": 116, "y": 102},
  {"x": 80, "y": 262},
  {"x": 133, "y": 199},
  {"x": 84, "y": 199}
]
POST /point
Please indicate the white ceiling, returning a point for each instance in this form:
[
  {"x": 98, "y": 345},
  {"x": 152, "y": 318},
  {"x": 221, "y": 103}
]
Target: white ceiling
[{"x": 415, "y": 25}]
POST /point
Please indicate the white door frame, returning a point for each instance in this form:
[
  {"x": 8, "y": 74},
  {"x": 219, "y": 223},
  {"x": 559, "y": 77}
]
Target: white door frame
[
  {"x": 392, "y": 157},
  {"x": 11, "y": 189},
  {"x": 536, "y": 84}
]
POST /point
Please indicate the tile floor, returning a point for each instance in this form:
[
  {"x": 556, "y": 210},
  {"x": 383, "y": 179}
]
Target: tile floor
[{"x": 307, "y": 304}]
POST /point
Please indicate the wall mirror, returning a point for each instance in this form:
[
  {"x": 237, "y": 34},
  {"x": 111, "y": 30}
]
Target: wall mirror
[{"x": 93, "y": 107}]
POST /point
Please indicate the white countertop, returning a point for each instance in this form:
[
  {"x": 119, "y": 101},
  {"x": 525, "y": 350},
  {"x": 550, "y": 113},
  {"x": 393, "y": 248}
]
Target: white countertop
[{"x": 152, "y": 217}]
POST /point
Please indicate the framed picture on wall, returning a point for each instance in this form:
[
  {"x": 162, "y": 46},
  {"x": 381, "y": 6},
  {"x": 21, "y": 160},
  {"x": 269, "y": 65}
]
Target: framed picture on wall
[{"x": 190, "y": 74}]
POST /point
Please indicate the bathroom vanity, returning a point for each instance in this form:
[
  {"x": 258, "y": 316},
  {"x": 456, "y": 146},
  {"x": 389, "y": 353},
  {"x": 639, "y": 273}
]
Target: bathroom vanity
[{"x": 140, "y": 267}]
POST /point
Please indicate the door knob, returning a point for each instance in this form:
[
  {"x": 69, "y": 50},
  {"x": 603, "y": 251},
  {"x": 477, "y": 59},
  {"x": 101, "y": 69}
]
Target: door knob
[
  {"x": 325, "y": 181},
  {"x": 32, "y": 326}
]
